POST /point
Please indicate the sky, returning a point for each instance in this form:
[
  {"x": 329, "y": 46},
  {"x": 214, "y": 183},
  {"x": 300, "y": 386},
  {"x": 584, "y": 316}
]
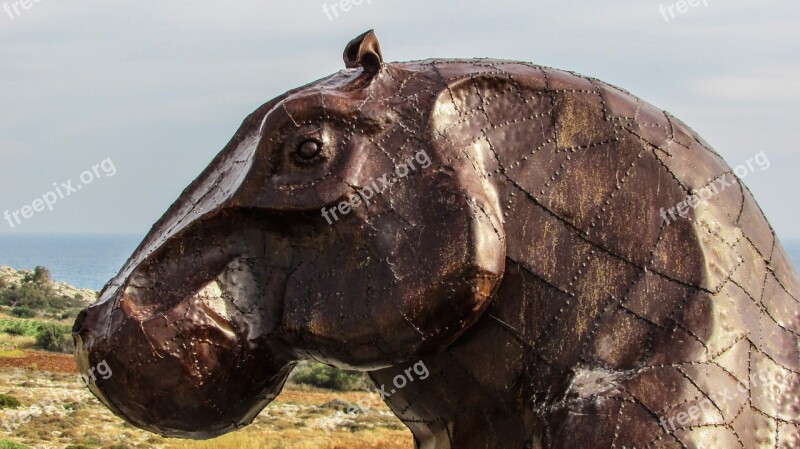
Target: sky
[{"x": 109, "y": 109}]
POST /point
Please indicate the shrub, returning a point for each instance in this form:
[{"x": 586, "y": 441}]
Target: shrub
[
  {"x": 14, "y": 330},
  {"x": 324, "y": 376},
  {"x": 35, "y": 296},
  {"x": 20, "y": 327},
  {"x": 7, "y": 401},
  {"x": 5, "y": 444},
  {"x": 77, "y": 446},
  {"x": 23, "y": 312},
  {"x": 40, "y": 275},
  {"x": 55, "y": 338}
]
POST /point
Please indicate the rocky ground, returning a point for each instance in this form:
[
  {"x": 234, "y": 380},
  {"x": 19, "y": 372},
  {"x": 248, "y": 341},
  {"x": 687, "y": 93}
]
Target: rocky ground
[{"x": 14, "y": 277}]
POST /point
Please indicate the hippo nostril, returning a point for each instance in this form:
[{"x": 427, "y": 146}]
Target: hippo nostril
[{"x": 78, "y": 326}]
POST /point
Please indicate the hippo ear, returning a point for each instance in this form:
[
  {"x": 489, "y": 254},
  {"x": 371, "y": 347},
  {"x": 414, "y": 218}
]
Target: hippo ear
[{"x": 364, "y": 51}]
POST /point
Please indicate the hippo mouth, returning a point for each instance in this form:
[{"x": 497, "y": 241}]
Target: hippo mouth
[{"x": 198, "y": 369}]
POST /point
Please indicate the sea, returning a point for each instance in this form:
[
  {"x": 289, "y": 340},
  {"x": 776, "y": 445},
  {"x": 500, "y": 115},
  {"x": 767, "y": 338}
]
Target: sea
[
  {"x": 85, "y": 261},
  {"x": 89, "y": 261}
]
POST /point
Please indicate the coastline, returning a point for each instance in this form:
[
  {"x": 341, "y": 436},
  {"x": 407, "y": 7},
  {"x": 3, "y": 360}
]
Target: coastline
[{"x": 13, "y": 279}]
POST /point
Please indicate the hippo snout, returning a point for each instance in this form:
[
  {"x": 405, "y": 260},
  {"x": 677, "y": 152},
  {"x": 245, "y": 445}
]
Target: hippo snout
[{"x": 193, "y": 371}]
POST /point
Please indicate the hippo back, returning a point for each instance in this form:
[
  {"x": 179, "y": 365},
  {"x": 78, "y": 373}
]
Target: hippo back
[{"x": 606, "y": 280}]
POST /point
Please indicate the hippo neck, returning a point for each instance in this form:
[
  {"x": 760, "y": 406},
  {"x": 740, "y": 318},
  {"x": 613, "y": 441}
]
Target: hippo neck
[
  {"x": 513, "y": 400},
  {"x": 449, "y": 409}
]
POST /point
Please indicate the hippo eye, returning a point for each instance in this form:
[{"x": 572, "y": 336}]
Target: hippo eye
[{"x": 309, "y": 149}]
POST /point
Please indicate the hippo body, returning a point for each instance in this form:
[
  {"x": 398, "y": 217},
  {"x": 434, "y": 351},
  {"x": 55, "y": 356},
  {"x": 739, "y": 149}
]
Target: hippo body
[{"x": 533, "y": 266}]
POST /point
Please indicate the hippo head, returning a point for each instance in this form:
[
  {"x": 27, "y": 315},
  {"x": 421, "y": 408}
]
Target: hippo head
[{"x": 332, "y": 227}]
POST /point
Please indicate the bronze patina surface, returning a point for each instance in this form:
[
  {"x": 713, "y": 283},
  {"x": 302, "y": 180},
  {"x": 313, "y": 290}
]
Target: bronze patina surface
[{"x": 520, "y": 254}]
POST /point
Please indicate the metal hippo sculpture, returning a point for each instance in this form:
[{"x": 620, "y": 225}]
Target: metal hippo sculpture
[{"x": 529, "y": 253}]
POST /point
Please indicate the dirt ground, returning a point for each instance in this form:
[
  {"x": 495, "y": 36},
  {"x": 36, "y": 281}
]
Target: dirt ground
[{"x": 39, "y": 360}]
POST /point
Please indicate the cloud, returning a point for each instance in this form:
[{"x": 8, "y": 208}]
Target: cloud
[{"x": 777, "y": 84}]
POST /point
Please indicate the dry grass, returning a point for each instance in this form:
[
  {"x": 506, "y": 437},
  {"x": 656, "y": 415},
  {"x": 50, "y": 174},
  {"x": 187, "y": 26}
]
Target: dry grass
[
  {"x": 297, "y": 418},
  {"x": 293, "y": 421},
  {"x": 15, "y": 342},
  {"x": 303, "y": 439}
]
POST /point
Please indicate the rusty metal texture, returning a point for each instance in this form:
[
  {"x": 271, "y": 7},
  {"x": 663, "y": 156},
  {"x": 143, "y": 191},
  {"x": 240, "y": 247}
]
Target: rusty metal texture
[{"x": 522, "y": 254}]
